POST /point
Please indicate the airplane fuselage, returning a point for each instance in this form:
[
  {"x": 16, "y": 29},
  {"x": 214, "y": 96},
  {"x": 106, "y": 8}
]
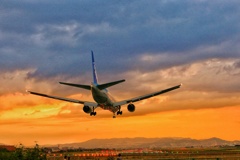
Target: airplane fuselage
[{"x": 103, "y": 98}]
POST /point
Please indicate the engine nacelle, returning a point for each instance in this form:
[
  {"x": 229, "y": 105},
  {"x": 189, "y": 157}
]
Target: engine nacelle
[
  {"x": 87, "y": 109},
  {"x": 131, "y": 108}
]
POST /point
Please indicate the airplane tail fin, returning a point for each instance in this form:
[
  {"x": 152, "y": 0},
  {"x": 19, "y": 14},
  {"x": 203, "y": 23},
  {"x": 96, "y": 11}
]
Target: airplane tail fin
[{"x": 95, "y": 79}]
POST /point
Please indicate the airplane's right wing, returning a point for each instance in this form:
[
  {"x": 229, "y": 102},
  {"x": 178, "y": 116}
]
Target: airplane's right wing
[
  {"x": 65, "y": 99},
  {"x": 146, "y": 96}
]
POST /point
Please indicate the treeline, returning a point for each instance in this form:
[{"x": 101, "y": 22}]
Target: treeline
[{"x": 22, "y": 153}]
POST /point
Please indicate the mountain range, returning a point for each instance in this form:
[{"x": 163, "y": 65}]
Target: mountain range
[{"x": 150, "y": 143}]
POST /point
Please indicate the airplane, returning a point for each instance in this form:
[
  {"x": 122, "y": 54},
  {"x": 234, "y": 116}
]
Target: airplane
[{"x": 102, "y": 97}]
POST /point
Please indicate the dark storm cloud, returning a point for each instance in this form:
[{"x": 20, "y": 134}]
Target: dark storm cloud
[{"x": 56, "y": 37}]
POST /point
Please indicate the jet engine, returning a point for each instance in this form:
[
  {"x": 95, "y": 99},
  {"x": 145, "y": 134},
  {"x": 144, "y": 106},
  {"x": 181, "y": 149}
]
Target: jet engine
[
  {"x": 131, "y": 108},
  {"x": 87, "y": 109}
]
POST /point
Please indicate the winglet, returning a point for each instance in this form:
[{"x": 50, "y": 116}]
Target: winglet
[{"x": 95, "y": 79}]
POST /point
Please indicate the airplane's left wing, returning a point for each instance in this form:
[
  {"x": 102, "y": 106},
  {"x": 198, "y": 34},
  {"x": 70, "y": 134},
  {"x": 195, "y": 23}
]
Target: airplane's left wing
[
  {"x": 146, "y": 96},
  {"x": 64, "y": 99}
]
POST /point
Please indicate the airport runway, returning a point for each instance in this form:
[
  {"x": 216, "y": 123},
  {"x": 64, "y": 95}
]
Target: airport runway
[{"x": 164, "y": 154}]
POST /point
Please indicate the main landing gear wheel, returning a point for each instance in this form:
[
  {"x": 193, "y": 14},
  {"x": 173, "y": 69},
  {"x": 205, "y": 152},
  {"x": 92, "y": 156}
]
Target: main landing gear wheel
[
  {"x": 119, "y": 113},
  {"x": 93, "y": 113}
]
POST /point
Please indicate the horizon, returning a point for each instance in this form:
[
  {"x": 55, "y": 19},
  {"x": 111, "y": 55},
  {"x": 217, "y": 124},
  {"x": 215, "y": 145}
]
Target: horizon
[
  {"x": 69, "y": 143},
  {"x": 153, "y": 45}
]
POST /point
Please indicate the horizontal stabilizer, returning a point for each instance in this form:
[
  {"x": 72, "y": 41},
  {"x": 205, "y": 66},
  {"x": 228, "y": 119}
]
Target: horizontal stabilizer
[
  {"x": 77, "y": 85},
  {"x": 106, "y": 85}
]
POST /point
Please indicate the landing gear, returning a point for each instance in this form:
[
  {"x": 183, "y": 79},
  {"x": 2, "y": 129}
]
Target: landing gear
[
  {"x": 119, "y": 112},
  {"x": 93, "y": 113}
]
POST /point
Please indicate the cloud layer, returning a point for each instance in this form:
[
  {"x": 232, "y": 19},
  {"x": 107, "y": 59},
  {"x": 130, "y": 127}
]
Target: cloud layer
[{"x": 56, "y": 37}]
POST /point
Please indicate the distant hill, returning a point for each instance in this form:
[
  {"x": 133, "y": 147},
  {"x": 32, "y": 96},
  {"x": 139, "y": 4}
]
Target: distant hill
[{"x": 149, "y": 143}]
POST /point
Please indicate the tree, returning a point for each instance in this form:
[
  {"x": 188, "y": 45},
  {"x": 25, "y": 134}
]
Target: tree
[
  {"x": 21, "y": 153},
  {"x": 35, "y": 153}
]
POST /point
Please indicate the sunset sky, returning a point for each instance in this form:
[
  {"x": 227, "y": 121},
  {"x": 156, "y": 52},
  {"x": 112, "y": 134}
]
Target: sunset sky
[{"x": 152, "y": 44}]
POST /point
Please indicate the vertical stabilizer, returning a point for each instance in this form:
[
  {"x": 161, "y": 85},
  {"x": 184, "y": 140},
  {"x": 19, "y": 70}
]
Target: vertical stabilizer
[{"x": 95, "y": 79}]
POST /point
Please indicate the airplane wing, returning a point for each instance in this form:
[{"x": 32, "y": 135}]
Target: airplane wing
[
  {"x": 64, "y": 99},
  {"x": 146, "y": 96}
]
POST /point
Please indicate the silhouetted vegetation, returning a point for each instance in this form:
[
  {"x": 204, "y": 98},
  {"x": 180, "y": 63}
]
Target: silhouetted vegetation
[{"x": 22, "y": 153}]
